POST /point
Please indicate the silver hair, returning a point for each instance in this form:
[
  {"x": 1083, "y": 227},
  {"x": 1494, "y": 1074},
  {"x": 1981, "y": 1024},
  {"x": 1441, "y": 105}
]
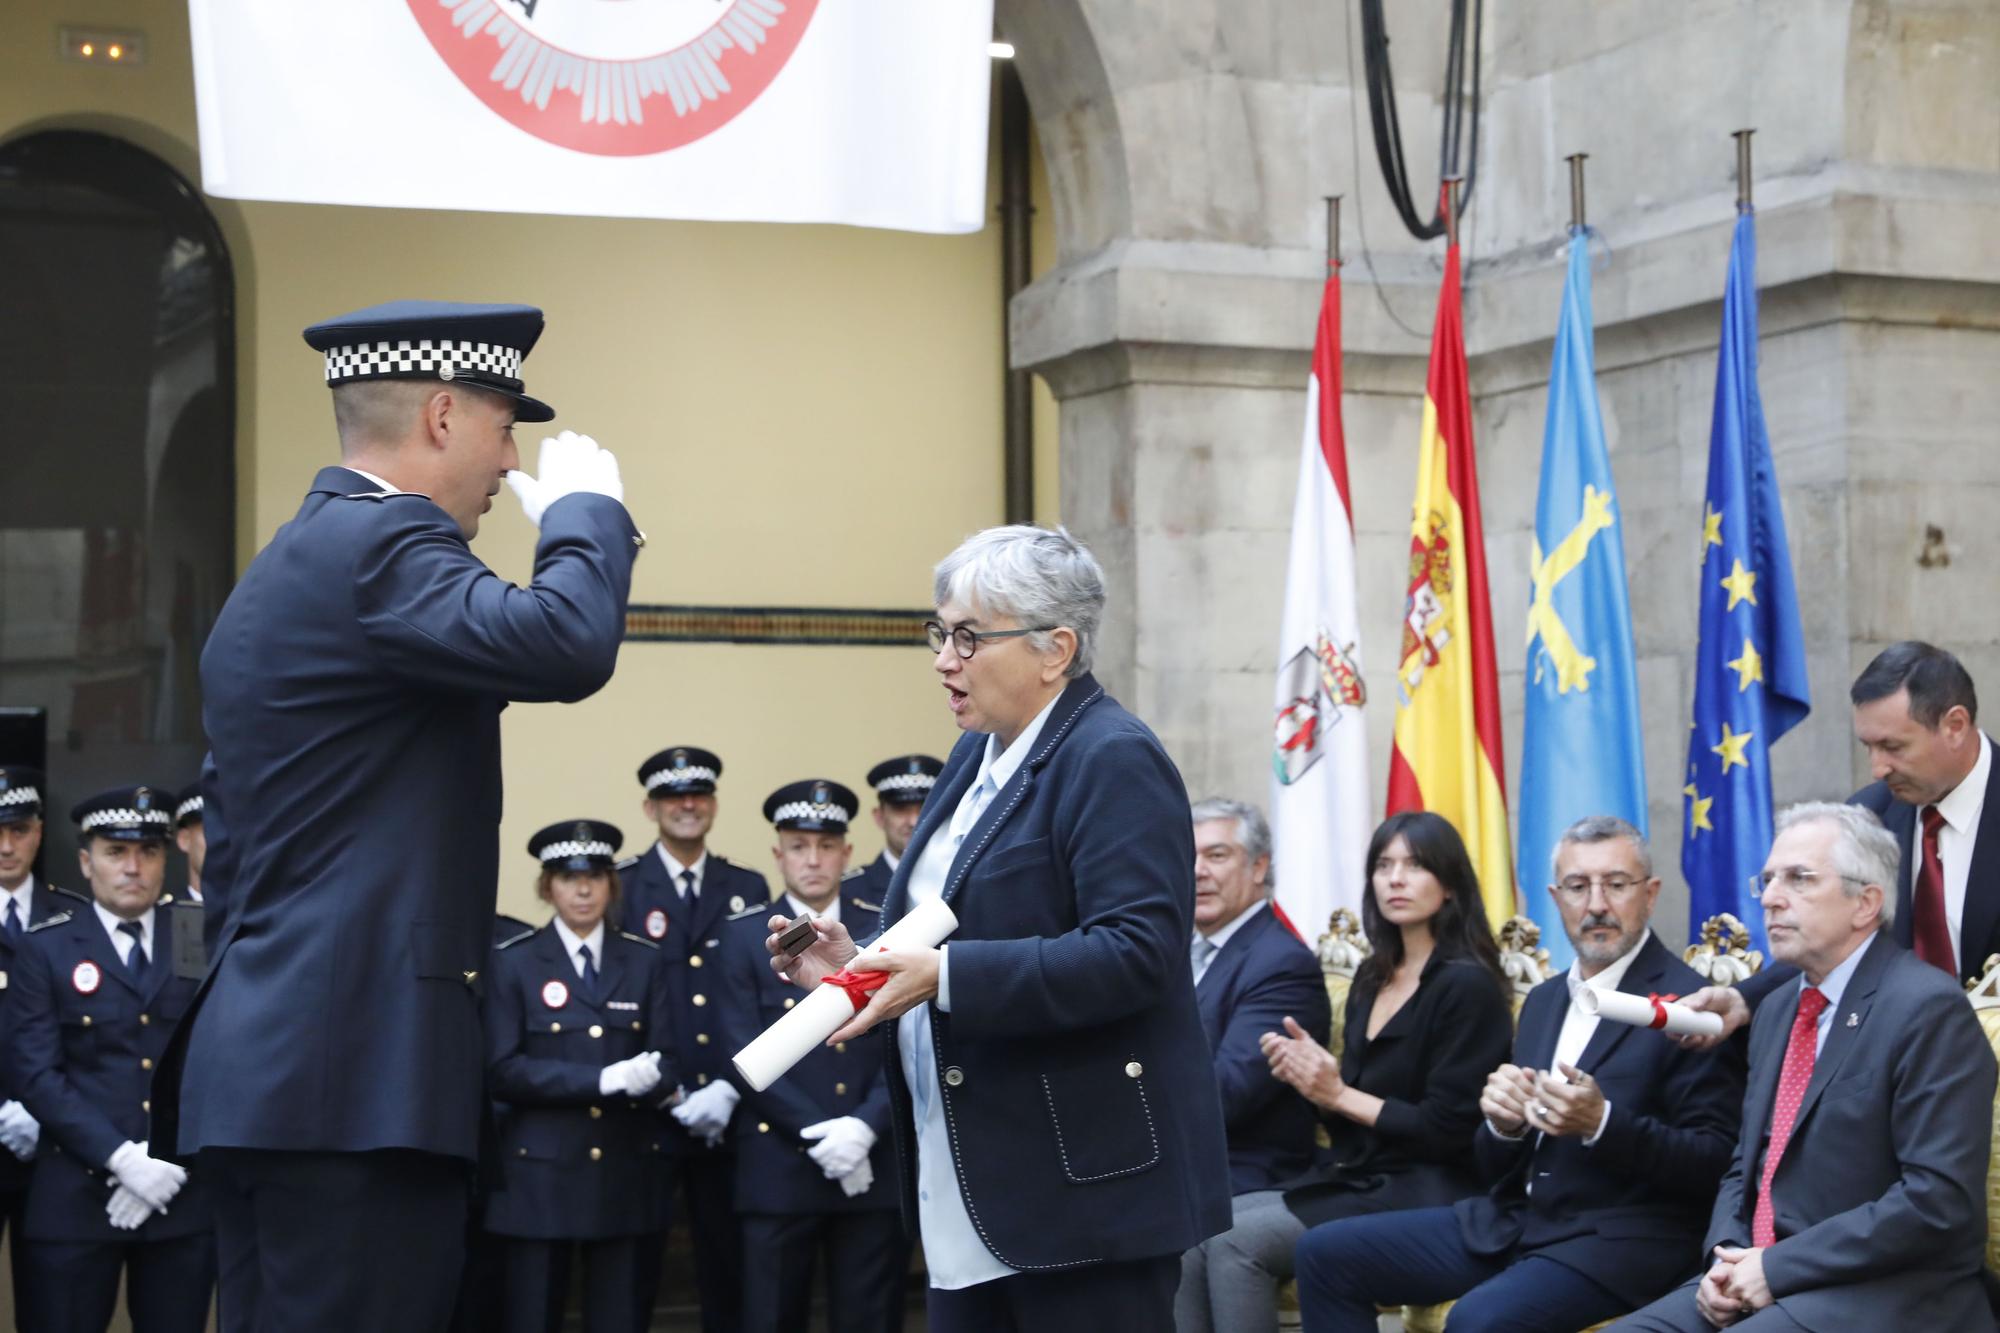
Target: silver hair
[
  {"x": 1602, "y": 828},
  {"x": 1253, "y": 835},
  {"x": 1865, "y": 852},
  {"x": 1041, "y": 577}
]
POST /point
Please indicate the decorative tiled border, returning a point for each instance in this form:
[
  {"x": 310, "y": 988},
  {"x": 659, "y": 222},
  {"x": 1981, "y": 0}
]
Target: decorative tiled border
[{"x": 775, "y": 624}]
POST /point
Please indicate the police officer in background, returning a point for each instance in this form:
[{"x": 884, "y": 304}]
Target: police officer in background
[
  {"x": 191, "y": 838},
  {"x": 900, "y": 784},
  {"x": 815, "y": 1165},
  {"x": 579, "y": 1036},
  {"x": 95, "y": 995},
  {"x": 677, "y": 894}
]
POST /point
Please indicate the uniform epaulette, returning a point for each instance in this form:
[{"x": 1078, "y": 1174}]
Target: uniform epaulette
[
  {"x": 510, "y": 943},
  {"x": 165, "y": 900},
  {"x": 757, "y": 909},
  {"x": 68, "y": 893},
  {"x": 55, "y": 920},
  {"x": 638, "y": 939},
  {"x": 382, "y": 495},
  {"x": 853, "y": 872},
  {"x": 865, "y": 905},
  {"x": 626, "y": 864}
]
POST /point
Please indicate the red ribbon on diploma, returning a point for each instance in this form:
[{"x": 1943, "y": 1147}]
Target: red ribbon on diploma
[
  {"x": 1660, "y": 1003},
  {"x": 858, "y": 985}
]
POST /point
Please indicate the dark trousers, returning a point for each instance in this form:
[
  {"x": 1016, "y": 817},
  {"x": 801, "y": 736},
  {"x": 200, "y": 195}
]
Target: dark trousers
[
  {"x": 706, "y": 1182},
  {"x": 482, "y": 1280},
  {"x": 866, "y": 1255},
  {"x": 337, "y": 1242},
  {"x": 12, "y": 1204},
  {"x": 73, "y": 1285},
  {"x": 1097, "y": 1298},
  {"x": 1675, "y": 1313},
  {"x": 615, "y": 1296},
  {"x": 1347, "y": 1268}
]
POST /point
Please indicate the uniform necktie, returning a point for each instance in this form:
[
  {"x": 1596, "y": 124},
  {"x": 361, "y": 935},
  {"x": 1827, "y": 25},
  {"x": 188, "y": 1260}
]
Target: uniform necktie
[
  {"x": 688, "y": 888},
  {"x": 589, "y": 971},
  {"x": 13, "y": 924},
  {"x": 1800, "y": 1054},
  {"x": 1932, "y": 930},
  {"x": 135, "y": 957},
  {"x": 1202, "y": 952}
]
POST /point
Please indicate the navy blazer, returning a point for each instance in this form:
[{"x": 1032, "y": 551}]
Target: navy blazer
[
  {"x": 352, "y": 689},
  {"x": 1630, "y": 1209},
  {"x": 86, "y": 1036},
  {"x": 773, "y": 1172},
  {"x": 1258, "y": 978},
  {"x": 1076, "y": 1082},
  {"x": 49, "y": 901},
  {"x": 1879, "y": 1202},
  {"x": 575, "y": 1164}
]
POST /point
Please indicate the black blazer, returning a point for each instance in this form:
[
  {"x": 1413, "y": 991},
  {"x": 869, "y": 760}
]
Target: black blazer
[
  {"x": 1261, "y": 975},
  {"x": 1629, "y": 1210},
  {"x": 1428, "y": 1065},
  {"x": 1880, "y": 1199}
]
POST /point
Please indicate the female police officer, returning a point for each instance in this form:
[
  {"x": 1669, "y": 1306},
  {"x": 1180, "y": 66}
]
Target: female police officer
[{"x": 579, "y": 1041}]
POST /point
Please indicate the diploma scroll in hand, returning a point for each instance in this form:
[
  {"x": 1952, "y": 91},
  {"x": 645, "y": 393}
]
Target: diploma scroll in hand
[
  {"x": 1648, "y": 1011},
  {"x": 830, "y": 1004}
]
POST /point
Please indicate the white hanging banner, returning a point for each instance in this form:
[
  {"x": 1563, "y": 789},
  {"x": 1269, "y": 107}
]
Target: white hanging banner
[{"x": 869, "y": 112}]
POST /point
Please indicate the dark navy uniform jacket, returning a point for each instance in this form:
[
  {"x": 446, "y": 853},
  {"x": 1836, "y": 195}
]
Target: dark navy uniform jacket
[
  {"x": 574, "y": 1163},
  {"x": 352, "y": 690},
  {"x": 872, "y": 880},
  {"x": 86, "y": 1038},
  {"x": 773, "y": 1172},
  {"x": 691, "y": 942},
  {"x": 1078, "y": 1089},
  {"x": 49, "y": 901}
]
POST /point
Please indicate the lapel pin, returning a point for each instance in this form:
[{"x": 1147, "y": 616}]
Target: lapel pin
[{"x": 1854, "y": 1020}]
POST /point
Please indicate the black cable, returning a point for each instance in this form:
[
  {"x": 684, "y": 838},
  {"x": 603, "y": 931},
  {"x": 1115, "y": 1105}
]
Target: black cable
[
  {"x": 1458, "y": 142},
  {"x": 1361, "y": 207}
]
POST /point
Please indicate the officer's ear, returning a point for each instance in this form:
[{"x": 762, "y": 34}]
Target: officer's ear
[{"x": 437, "y": 411}]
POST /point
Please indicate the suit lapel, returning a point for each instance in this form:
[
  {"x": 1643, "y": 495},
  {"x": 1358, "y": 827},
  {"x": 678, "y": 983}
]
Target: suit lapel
[
  {"x": 1230, "y": 959},
  {"x": 1901, "y": 820},
  {"x": 161, "y": 971},
  {"x": 1541, "y": 1026},
  {"x": 99, "y": 949},
  {"x": 959, "y": 771},
  {"x": 1982, "y": 884},
  {"x": 610, "y": 969},
  {"x": 1642, "y": 978},
  {"x": 1841, "y": 1036}
]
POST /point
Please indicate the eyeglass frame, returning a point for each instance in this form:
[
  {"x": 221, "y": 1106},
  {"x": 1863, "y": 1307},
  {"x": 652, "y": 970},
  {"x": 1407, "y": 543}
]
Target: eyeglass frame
[
  {"x": 1798, "y": 882},
  {"x": 935, "y": 629},
  {"x": 1623, "y": 894}
]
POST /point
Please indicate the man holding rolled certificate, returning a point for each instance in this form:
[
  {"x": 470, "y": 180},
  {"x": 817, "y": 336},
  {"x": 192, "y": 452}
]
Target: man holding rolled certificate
[
  {"x": 1603, "y": 1141},
  {"x": 1054, "y": 1101}
]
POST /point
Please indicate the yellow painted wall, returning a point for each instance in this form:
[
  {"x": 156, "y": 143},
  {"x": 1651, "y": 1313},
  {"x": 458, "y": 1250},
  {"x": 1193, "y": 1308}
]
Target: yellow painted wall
[{"x": 804, "y": 416}]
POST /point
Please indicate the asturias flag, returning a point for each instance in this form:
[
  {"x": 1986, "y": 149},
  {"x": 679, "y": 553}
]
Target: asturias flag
[
  {"x": 1580, "y": 745},
  {"x": 1319, "y": 752},
  {"x": 1750, "y": 673},
  {"x": 1446, "y": 756}
]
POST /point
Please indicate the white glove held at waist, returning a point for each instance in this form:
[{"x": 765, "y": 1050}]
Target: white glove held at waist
[
  {"x": 19, "y": 1132},
  {"x": 634, "y": 1077},
  {"x": 571, "y": 464},
  {"x": 153, "y": 1181},
  {"x": 707, "y": 1110},
  {"x": 843, "y": 1144},
  {"x": 126, "y": 1209}
]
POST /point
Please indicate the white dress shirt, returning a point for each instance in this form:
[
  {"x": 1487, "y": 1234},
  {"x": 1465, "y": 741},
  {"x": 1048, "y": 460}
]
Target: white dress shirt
[
  {"x": 953, "y": 1251},
  {"x": 393, "y": 490},
  {"x": 1961, "y": 809},
  {"x": 121, "y": 940},
  {"x": 893, "y": 859},
  {"x": 674, "y": 869},
  {"x": 1578, "y": 1027},
  {"x": 1222, "y": 937},
  {"x": 796, "y": 908},
  {"x": 572, "y": 942}
]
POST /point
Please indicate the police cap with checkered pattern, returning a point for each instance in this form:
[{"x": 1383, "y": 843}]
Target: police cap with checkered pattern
[
  {"x": 812, "y": 806},
  {"x": 448, "y": 341},
  {"x": 23, "y": 793},
  {"x": 127, "y": 814},
  {"x": 577, "y": 844}
]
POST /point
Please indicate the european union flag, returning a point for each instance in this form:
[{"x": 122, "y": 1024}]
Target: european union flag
[
  {"x": 1580, "y": 752},
  {"x": 1750, "y": 673}
]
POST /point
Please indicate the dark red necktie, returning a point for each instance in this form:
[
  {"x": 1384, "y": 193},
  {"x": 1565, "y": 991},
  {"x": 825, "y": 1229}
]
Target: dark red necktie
[
  {"x": 1800, "y": 1053},
  {"x": 1932, "y": 931}
]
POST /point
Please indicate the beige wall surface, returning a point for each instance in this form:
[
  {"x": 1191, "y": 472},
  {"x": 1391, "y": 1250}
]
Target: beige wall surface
[{"x": 805, "y": 416}]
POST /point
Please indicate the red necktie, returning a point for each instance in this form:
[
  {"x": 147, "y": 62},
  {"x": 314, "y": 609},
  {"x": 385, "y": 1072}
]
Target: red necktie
[
  {"x": 1800, "y": 1052},
  {"x": 1932, "y": 929}
]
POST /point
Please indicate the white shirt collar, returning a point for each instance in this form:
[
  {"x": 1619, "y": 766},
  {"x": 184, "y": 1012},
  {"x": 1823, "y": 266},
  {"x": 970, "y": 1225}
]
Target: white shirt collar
[
  {"x": 25, "y": 895},
  {"x": 393, "y": 490},
  {"x": 893, "y": 859},
  {"x": 674, "y": 867},
  {"x": 1962, "y": 805},
  {"x": 119, "y": 940},
  {"x": 1834, "y": 985},
  {"x": 832, "y": 912},
  {"x": 1221, "y": 937},
  {"x": 1610, "y": 977},
  {"x": 1001, "y": 765},
  {"x": 572, "y": 942}
]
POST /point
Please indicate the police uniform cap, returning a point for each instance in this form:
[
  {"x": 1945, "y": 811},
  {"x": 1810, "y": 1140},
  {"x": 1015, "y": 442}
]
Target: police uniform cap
[
  {"x": 451, "y": 342},
  {"x": 815, "y": 805},
  {"x": 127, "y": 814},
  {"x": 577, "y": 844},
  {"x": 23, "y": 793},
  {"x": 906, "y": 779},
  {"x": 188, "y": 806},
  {"x": 680, "y": 770}
]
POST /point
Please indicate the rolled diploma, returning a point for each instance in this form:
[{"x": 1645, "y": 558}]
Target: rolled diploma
[
  {"x": 807, "y": 1024},
  {"x": 1639, "y": 1011}
]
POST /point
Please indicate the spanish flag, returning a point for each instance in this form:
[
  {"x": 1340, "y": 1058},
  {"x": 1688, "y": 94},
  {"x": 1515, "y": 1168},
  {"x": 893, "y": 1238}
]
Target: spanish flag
[{"x": 1446, "y": 756}]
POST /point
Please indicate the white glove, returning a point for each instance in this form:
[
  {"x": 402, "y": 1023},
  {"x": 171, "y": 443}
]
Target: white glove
[
  {"x": 707, "y": 1110},
  {"x": 858, "y": 1180},
  {"x": 635, "y": 1077},
  {"x": 19, "y": 1131},
  {"x": 126, "y": 1209},
  {"x": 843, "y": 1144},
  {"x": 154, "y": 1181},
  {"x": 571, "y": 464}
]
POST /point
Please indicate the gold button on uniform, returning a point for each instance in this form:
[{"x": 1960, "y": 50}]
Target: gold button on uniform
[
  {"x": 763, "y": 1128},
  {"x": 701, "y": 1080},
  {"x": 146, "y": 1106},
  {"x": 555, "y": 1027},
  {"x": 954, "y": 1076},
  {"x": 840, "y": 1089},
  {"x": 146, "y": 1062},
  {"x": 841, "y": 1047},
  {"x": 597, "y": 1154},
  {"x": 596, "y": 1113},
  {"x": 145, "y": 1020},
  {"x": 701, "y": 1039},
  {"x": 694, "y": 960},
  {"x": 596, "y": 1031},
  {"x": 86, "y": 1020},
  {"x": 1134, "y": 1069},
  {"x": 788, "y": 1004},
  {"x": 635, "y": 1025},
  {"x": 700, "y": 1000}
]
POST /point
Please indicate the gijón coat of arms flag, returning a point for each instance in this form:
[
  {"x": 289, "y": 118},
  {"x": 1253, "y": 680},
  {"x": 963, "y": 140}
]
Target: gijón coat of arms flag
[
  {"x": 1446, "y": 757},
  {"x": 1319, "y": 749}
]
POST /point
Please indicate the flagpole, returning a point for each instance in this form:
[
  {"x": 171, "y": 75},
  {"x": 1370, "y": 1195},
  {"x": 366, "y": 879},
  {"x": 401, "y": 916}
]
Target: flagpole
[
  {"x": 1451, "y": 186},
  {"x": 1576, "y": 161},
  {"x": 1743, "y": 170},
  {"x": 1332, "y": 231}
]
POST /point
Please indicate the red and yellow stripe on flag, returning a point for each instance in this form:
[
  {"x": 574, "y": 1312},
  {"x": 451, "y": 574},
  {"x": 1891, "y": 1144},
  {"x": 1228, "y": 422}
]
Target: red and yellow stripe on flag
[{"x": 1446, "y": 756}]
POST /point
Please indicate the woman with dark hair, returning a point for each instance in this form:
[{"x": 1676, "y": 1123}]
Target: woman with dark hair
[{"x": 1427, "y": 1019}]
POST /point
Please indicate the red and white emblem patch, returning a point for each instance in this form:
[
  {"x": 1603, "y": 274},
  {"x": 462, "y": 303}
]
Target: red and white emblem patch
[
  {"x": 86, "y": 978},
  {"x": 656, "y": 924},
  {"x": 555, "y": 995}
]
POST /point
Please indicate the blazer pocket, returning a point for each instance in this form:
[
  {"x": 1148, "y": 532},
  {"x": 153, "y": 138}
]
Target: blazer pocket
[
  {"x": 1020, "y": 856},
  {"x": 1103, "y": 1123}
]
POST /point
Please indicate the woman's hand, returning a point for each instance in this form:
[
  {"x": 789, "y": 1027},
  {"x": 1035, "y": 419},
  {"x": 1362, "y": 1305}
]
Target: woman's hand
[{"x": 1297, "y": 1059}]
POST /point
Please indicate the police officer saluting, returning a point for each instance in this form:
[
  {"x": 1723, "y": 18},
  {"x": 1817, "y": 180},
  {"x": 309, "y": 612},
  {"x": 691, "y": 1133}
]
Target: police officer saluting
[
  {"x": 579, "y": 1041},
  {"x": 678, "y": 893},
  {"x": 901, "y": 786},
  {"x": 94, "y": 997},
  {"x": 815, "y": 1173}
]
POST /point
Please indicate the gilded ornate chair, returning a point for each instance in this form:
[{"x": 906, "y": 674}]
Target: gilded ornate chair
[{"x": 1985, "y": 996}]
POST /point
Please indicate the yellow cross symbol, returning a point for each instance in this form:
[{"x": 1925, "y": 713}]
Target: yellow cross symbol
[{"x": 1573, "y": 668}]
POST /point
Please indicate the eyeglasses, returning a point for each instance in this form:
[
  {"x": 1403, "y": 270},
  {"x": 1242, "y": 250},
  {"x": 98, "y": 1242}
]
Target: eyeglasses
[
  {"x": 1794, "y": 879},
  {"x": 967, "y": 640},
  {"x": 1617, "y": 888}
]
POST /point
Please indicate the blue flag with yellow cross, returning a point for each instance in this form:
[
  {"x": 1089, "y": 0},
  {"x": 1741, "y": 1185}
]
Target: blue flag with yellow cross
[{"x": 1750, "y": 671}]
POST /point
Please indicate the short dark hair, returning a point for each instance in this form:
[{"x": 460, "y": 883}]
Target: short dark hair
[{"x": 1936, "y": 680}]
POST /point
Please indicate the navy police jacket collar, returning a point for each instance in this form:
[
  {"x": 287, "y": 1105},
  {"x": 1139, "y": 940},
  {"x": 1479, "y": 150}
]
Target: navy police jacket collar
[
  {"x": 337, "y": 480},
  {"x": 561, "y": 966}
]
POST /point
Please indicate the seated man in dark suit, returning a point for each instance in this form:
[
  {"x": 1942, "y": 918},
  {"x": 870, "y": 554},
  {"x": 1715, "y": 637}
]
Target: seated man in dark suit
[
  {"x": 1857, "y": 1194},
  {"x": 1604, "y": 1143}
]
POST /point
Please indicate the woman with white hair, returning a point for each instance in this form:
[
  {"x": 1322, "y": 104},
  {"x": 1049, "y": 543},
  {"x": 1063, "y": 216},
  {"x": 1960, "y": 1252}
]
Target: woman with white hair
[{"x": 1054, "y": 1099}]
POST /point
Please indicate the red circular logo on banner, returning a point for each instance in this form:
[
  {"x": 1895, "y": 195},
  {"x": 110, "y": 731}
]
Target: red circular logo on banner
[{"x": 619, "y": 78}]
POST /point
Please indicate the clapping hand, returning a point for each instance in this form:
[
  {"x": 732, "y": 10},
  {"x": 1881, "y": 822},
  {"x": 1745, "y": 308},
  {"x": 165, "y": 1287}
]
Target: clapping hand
[{"x": 1298, "y": 1060}]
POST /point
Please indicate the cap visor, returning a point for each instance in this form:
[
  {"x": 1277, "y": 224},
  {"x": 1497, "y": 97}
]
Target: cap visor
[{"x": 526, "y": 408}]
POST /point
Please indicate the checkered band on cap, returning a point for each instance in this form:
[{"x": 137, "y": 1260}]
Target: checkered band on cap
[
  {"x": 20, "y": 796},
  {"x": 99, "y": 818},
  {"x": 560, "y": 851},
  {"x": 811, "y": 810},
  {"x": 190, "y": 806},
  {"x": 442, "y": 357},
  {"x": 906, "y": 782},
  {"x": 692, "y": 773}
]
